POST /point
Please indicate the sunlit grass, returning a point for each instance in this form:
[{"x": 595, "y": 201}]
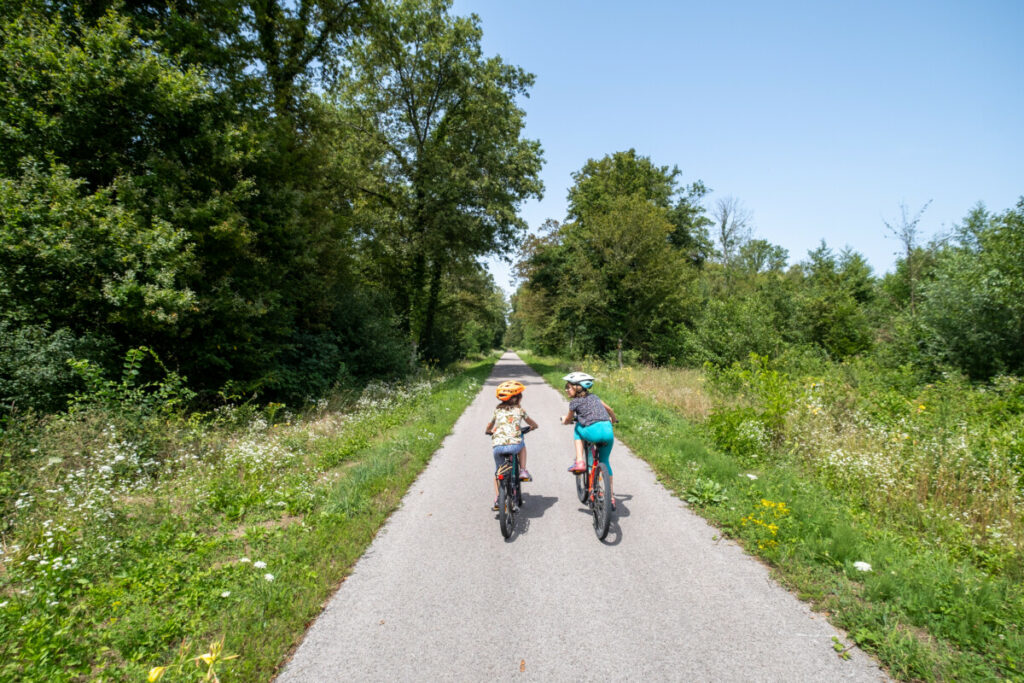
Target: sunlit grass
[
  {"x": 896, "y": 516},
  {"x": 127, "y": 537}
]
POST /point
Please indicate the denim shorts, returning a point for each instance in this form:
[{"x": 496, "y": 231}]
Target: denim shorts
[{"x": 501, "y": 452}]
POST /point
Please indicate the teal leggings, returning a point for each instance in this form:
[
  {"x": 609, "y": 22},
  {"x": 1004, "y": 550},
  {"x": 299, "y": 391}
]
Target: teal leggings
[{"x": 600, "y": 434}]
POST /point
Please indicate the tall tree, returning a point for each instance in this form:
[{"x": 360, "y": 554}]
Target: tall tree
[
  {"x": 624, "y": 281},
  {"x": 907, "y": 233},
  {"x": 601, "y": 182},
  {"x": 436, "y": 133},
  {"x": 732, "y": 227}
]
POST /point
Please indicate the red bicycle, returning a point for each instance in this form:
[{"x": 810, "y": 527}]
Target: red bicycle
[{"x": 592, "y": 488}]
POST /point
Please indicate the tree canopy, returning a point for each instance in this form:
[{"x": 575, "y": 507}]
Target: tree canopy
[{"x": 272, "y": 196}]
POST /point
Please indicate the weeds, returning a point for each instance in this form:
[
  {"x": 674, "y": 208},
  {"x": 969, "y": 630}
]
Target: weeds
[
  {"x": 894, "y": 508},
  {"x": 129, "y": 529}
]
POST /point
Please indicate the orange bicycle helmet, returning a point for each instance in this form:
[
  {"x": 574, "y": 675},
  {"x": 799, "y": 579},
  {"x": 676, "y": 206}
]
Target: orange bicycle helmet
[{"x": 507, "y": 390}]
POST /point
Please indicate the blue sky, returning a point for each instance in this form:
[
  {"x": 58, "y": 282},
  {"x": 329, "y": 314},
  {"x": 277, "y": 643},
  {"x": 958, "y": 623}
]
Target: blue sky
[{"x": 821, "y": 117}]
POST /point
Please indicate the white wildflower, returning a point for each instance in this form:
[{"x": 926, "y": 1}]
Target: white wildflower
[
  {"x": 268, "y": 577},
  {"x": 259, "y": 564},
  {"x": 862, "y": 566},
  {"x": 225, "y": 594}
]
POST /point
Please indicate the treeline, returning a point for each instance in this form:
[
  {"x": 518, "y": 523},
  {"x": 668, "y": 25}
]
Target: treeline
[
  {"x": 274, "y": 197},
  {"x": 641, "y": 261}
]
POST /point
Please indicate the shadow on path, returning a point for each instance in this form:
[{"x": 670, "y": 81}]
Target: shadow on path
[
  {"x": 533, "y": 508},
  {"x": 614, "y": 536}
]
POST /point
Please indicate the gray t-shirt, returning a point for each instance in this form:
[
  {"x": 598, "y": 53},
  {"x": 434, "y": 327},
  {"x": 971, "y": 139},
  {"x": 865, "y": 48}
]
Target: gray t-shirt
[{"x": 589, "y": 410}]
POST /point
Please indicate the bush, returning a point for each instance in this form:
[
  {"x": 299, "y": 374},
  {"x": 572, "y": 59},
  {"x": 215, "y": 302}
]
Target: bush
[{"x": 34, "y": 369}]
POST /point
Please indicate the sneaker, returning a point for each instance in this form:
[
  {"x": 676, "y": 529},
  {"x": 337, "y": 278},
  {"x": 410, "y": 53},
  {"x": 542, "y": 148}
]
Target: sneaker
[
  {"x": 578, "y": 468},
  {"x": 494, "y": 507},
  {"x": 525, "y": 476}
]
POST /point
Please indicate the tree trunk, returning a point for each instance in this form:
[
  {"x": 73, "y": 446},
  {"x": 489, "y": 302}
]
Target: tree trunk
[{"x": 427, "y": 333}]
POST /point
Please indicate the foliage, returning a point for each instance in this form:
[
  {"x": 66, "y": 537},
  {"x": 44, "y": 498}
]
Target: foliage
[
  {"x": 705, "y": 491},
  {"x": 434, "y": 131},
  {"x": 622, "y": 269},
  {"x": 925, "y": 574},
  {"x": 125, "y": 540},
  {"x": 972, "y": 313},
  {"x": 34, "y": 369},
  {"x": 198, "y": 180},
  {"x": 164, "y": 396}
]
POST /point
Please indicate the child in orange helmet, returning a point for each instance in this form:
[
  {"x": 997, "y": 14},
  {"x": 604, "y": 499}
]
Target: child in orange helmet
[{"x": 506, "y": 433}]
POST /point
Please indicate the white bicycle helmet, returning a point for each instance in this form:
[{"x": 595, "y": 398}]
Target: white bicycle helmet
[{"x": 581, "y": 378}]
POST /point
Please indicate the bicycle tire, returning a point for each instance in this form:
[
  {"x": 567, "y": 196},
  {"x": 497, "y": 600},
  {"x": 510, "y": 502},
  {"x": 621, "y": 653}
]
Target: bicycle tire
[
  {"x": 601, "y": 504},
  {"x": 582, "y": 483},
  {"x": 517, "y": 483},
  {"x": 581, "y": 487},
  {"x": 506, "y": 515}
]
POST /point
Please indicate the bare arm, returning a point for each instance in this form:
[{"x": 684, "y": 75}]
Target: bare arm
[
  {"x": 529, "y": 421},
  {"x": 567, "y": 419},
  {"x": 490, "y": 427},
  {"x": 611, "y": 413}
]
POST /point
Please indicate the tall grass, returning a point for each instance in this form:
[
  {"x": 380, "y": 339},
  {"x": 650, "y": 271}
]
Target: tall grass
[
  {"x": 895, "y": 509},
  {"x": 135, "y": 539}
]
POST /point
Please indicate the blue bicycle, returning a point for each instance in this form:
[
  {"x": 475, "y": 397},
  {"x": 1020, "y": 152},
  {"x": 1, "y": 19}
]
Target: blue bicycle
[{"x": 510, "y": 491}]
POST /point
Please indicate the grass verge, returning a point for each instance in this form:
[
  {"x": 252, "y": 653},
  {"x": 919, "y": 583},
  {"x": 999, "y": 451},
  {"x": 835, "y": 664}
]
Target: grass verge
[
  {"x": 927, "y": 613},
  {"x": 181, "y": 543}
]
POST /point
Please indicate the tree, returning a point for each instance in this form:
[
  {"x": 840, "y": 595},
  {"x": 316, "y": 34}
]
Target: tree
[
  {"x": 906, "y": 232},
  {"x": 602, "y": 182},
  {"x": 205, "y": 220},
  {"x": 972, "y": 310},
  {"x": 760, "y": 256},
  {"x": 830, "y": 308},
  {"x": 436, "y": 135},
  {"x": 731, "y": 227},
  {"x": 623, "y": 280}
]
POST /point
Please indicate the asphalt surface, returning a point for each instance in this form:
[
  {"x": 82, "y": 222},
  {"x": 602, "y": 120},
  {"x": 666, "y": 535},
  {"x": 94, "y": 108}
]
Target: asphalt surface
[{"x": 440, "y": 595}]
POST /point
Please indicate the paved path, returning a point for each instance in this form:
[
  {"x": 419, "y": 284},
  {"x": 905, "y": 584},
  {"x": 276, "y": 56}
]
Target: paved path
[{"x": 440, "y": 595}]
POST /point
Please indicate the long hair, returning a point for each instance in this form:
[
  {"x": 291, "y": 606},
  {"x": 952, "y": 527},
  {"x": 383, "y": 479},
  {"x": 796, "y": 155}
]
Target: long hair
[
  {"x": 581, "y": 391},
  {"x": 512, "y": 402}
]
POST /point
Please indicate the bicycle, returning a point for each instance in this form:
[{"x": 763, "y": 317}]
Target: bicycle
[
  {"x": 592, "y": 488},
  {"x": 510, "y": 491}
]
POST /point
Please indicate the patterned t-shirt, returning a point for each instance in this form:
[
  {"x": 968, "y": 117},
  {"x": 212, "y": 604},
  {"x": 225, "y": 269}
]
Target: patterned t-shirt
[
  {"x": 506, "y": 426},
  {"x": 589, "y": 410}
]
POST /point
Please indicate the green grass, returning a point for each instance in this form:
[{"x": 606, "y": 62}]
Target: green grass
[
  {"x": 927, "y": 613},
  {"x": 230, "y": 526}
]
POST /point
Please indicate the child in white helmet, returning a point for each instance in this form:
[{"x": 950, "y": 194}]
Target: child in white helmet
[{"x": 593, "y": 419}]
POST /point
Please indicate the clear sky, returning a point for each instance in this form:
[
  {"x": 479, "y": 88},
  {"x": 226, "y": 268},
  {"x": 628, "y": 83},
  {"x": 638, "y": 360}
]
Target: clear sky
[{"x": 821, "y": 117}]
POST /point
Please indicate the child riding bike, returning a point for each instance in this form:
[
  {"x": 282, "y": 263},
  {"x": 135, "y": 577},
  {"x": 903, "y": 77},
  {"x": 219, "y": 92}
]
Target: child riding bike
[
  {"x": 594, "y": 420},
  {"x": 505, "y": 431}
]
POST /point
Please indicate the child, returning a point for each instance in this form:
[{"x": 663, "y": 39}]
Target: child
[
  {"x": 506, "y": 436},
  {"x": 594, "y": 420}
]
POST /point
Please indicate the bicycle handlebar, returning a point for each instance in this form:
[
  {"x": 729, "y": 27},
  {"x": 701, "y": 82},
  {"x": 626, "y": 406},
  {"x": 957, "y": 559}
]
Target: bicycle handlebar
[{"x": 522, "y": 430}]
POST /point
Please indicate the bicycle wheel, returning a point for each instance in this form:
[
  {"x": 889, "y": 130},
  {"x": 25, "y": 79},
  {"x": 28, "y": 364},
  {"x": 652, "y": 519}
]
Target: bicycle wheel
[
  {"x": 517, "y": 484},
  {"x": 601, "y": 504},
  {"x": 506, "y": 515},
  {"x": 581, "y": 481}
]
